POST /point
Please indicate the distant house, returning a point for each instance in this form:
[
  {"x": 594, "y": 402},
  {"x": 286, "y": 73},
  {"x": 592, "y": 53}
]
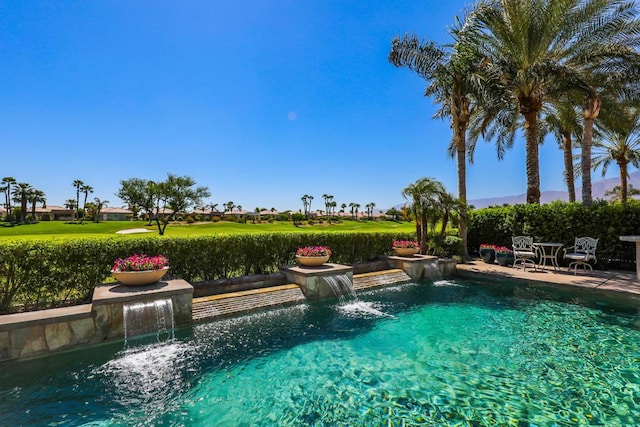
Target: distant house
[
  {"x": 116, "y": 214},
  {"x": 58, "y": 213}
]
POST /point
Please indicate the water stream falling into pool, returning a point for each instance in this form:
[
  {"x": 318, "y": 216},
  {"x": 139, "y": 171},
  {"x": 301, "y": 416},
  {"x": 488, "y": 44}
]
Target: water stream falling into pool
[
  {"x": 432, "y": 272},
  {"x": 349, "y": 303},
  {"x": 341, "y": 286},
  {"x": 148, "y": 317}
]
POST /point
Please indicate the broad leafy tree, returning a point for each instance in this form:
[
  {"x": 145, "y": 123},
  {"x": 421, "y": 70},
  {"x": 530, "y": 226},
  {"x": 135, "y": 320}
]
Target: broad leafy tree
[
  {"x": 139, "y": 195},
  {"x": 178, "y": 193}
]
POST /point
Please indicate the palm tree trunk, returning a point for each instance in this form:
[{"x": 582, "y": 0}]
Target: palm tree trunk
[
  {"x": 590, "y": 111},
  {"x": 623, "y": 183},
  {"x": 460, "y": 133},
  {"x": 568, "y": 164},
  {"x": 532, "y": 161}
]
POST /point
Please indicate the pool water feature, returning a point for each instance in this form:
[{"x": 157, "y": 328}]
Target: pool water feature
[
  {"x": 341, "y": 286},
  {"x": 454, "y": 353},
  {"x": 149, "y": 317}
]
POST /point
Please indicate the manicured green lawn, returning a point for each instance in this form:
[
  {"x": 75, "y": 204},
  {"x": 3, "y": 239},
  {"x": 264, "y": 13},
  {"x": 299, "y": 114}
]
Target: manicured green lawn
[{"x": 60, "y": 229}]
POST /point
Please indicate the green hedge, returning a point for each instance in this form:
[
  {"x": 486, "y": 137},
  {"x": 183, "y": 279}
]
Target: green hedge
[
  {"x": 41, "y": 274},
  {"x": 561, "y": 222}
]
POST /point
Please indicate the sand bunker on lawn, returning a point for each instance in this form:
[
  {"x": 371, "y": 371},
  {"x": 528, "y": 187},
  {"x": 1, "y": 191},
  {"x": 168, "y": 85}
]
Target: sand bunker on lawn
[{"x": 133, "y": 230}]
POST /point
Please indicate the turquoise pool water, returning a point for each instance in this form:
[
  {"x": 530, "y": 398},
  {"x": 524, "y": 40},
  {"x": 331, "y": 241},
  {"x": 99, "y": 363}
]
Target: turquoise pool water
[{"x": 444, "y": 354}]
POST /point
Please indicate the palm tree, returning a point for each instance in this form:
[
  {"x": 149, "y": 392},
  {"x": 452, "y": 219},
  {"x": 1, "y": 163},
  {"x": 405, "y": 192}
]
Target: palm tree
[
  {"x": 86, "y": 189},
  {"x": 616, "y": 193},
  {"x": 539, "y": 49},
  {"x": 306, "y": 204},
  {"x": 424, "y": 195},
  {"x": 7, "y": 181},
  {"x": 229, "y": 206},
  {"x": 36, "y": 196},
  {"x": 21, "y": 194},
  {"x": 620, "y": 143},
  {"x": 561, "y": 119},
  {"x": 343, "y": 207},
  {"x": 451, "y": 73},
  {"x": 99, "y": 204},
  {"x": 77, "y": 184},
  {"x": 352, "y": 205},
  {"x": 70, "y": 204},
  {"x": 370, "y": 207},
  {"x": 327, "y": 203}
]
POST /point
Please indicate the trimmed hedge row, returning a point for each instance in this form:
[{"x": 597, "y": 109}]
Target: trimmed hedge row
[
  {"x": 561, "y": 222},
  {"x": 42, "y": 274}
]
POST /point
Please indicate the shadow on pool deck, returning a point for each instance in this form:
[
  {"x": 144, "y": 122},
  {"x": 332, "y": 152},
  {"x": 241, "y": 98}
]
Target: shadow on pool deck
[{"x": 605, "y": 281}]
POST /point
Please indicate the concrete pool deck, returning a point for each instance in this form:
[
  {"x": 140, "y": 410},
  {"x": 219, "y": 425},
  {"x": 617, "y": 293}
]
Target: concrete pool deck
[{"x": 609, "y": 282}]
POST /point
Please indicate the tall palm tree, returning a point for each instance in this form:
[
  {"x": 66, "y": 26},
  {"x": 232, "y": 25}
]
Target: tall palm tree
[
  {"x": 85, "y": 189},
  {"x": 352, "y": 205},
  {"x": 7, "y": 182},
  {"x": 539, "y": 49},
  {"x": 561, "y": 119},
  {"x": 619, "y": 143},
  {"x": 77, "y": 184},
  {"x": 451, "y": 72},
  {"x": 370, "y": 207}
]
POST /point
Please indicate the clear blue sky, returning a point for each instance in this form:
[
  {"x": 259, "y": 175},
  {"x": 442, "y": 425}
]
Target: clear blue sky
[{"x": 261, "y": 101}]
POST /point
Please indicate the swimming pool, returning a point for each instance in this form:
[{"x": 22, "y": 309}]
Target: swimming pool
[{"x": 448, "y": 353}]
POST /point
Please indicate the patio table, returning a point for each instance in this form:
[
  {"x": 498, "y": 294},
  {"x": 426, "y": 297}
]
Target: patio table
[
  {"x": 548, "y": 251},
  {"x": 637, "y": 240}
]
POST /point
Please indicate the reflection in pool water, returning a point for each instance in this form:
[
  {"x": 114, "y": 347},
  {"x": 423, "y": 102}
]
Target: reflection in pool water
[{"x": 446, "y": 353}]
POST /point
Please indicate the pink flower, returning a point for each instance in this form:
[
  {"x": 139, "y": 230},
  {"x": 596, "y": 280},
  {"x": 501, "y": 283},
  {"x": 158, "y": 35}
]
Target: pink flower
[
  {"x": 314, "y": 251},
  {"x": 405, "y": 244},
  {"x": 140, "y": 263}
]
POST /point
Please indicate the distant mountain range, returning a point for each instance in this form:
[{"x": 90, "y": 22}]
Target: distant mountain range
[{"x": 598, "y": 189}]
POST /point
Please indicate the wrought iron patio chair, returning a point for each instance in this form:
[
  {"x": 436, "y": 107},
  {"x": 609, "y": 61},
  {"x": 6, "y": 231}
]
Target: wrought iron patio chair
[
  {"x": 583, "y": 251},
  {"x": 523, "y": 252}
]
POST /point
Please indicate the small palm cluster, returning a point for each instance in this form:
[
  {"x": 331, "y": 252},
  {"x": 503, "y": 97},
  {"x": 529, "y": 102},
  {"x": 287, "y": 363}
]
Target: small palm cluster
[
  {"x": 405, "y": 244},
  {"x": 314, "y": 251},
  {"x": 140, "y": 263}
]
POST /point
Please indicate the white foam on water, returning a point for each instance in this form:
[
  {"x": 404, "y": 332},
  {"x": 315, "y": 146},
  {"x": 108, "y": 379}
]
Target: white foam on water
[
  {"x": 362, "y": 308},
  {"x": 450, "y": 283}
]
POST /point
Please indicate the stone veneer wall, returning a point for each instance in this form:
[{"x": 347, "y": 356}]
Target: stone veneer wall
[{"x": 26, "y": 335}]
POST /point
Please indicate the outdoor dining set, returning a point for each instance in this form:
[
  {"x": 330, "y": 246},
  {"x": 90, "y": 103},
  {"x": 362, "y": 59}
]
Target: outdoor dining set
[{"x": 528, "y": 253}]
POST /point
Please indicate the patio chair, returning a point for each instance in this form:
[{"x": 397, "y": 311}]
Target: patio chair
[
  {"x": 523, "y": 252},
  {"x": 583, "y": 251}
]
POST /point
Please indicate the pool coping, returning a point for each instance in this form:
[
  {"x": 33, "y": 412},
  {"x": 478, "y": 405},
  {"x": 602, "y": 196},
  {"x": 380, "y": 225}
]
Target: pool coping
[{"x": 610, "y": 282}]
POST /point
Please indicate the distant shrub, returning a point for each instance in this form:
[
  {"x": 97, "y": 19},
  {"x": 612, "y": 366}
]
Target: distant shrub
[{"x": 45, "y": 217}]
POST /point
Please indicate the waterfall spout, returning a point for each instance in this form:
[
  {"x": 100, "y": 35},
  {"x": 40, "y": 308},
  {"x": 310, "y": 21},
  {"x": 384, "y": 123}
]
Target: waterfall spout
[
  {"x": 144, "y": 318},
  {"x": 341, "y": 286},
  {"x": 432, "y": 272}
]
